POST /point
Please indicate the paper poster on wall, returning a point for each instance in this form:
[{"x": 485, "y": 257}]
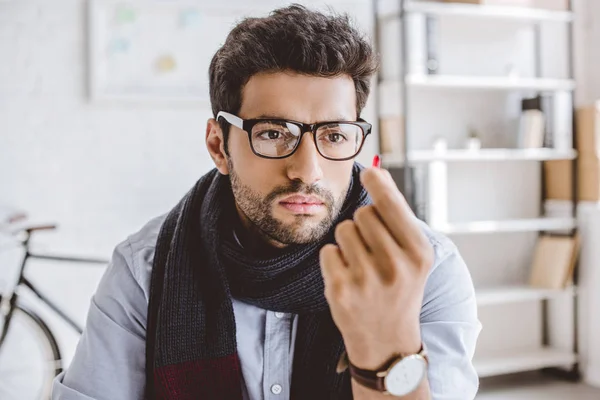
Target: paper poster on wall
[{"x": 154, "y": 50}]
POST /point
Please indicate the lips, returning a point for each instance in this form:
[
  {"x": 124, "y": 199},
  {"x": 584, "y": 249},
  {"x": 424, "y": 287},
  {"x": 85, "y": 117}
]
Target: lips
[{"x": 301, "y": 204}]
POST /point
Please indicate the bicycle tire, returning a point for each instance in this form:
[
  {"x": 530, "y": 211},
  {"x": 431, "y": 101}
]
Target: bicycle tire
[{"x": 15, "y": 381}]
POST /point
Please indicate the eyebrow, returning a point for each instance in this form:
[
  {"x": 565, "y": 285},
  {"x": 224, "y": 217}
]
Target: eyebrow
[{"x": 267, "y": 116}]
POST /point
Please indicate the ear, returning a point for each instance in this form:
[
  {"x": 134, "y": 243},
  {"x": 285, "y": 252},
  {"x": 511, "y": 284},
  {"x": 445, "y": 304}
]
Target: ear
[{"x": 216, "y": 145}]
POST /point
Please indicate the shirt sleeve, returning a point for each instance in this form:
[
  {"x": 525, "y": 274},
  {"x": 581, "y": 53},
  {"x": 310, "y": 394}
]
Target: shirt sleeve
[
  {"x": 109, "y": 363},
  {"x": 450, "y": 326}
]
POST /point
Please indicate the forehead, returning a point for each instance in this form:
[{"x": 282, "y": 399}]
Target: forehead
[{"x": 298, "y": 97}]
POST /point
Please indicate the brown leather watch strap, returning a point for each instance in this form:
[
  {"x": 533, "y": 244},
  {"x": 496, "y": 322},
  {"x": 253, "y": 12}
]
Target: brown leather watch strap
[
  {"x": 367, "y": 378},
  {"x": 372, "y": 379}
]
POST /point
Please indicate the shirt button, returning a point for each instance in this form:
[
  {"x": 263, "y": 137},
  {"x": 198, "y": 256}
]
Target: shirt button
[
  {"x": 276, "y": 389},
  {"x": 279, "y": 315}
]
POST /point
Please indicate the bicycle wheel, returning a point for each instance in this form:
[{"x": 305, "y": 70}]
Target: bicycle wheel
[{"x": 29, "y": 358}]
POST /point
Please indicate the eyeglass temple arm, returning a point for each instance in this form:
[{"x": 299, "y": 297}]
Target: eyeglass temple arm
[{"x": 232, "y": 119}]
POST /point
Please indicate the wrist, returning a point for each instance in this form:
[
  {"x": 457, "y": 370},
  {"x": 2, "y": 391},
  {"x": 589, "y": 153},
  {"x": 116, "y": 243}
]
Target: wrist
[{"x": 372, "y": 354}]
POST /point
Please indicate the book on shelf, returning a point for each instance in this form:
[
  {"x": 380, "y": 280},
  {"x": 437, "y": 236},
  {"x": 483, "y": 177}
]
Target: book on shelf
[{"x": 554, "y": 261}]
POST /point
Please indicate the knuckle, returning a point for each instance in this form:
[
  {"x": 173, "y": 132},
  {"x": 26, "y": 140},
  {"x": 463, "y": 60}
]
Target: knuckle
[
  {"x": 389, "y": 278},
  {"x": 423, "y": 252},
  {"x": 343, "y": 228},
  {"x": 338, "y": 292},
  {"x": 389, "y": 197},
  {"x": 390, "y": 258},
  {"x": 426, "y": 257},
  {"x": 363, "y": 214},
  {"x": 368, "y": 292},
  {"x": 358, "y": 277},
  {"x": 326, "y": 251}
]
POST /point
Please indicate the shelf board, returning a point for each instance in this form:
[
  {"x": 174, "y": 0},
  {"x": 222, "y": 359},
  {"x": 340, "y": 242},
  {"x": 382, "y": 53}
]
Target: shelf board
[
  {"x": 517, "y": 294},
  {"x": 488, "y": 82},
  {"x": 390, "y": 10},
  {"x": 517, "y": 225},
  {"x": 520, "y": 361},
  {"x": 481, "y": 155},
  {"x": 391, "y": 88}
]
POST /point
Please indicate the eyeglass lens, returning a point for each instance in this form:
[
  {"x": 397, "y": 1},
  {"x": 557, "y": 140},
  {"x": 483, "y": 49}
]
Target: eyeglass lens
[{"x": 280, "y": 138}]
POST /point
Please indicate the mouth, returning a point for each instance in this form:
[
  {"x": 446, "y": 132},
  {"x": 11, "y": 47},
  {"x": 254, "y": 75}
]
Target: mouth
[{"x": 301, "y": 204}]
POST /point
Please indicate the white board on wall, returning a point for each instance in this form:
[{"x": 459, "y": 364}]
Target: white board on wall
[
  {"x": 144, "y": 50},
  {"x": 154, "y": 50}
]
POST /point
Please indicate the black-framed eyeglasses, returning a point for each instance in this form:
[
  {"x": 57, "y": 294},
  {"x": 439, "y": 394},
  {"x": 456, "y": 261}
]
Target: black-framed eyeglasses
[{"x": 279, "y": 138}]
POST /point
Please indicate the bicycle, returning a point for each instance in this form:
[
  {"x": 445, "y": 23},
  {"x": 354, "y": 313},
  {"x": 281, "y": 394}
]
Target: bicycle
[{"x": 30, "y": 357}]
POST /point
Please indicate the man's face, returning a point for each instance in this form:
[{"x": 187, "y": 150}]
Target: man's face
[{"x": 294, "y": 200}]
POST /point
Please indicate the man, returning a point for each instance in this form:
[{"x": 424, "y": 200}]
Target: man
[{"x": 289, "y": 271}]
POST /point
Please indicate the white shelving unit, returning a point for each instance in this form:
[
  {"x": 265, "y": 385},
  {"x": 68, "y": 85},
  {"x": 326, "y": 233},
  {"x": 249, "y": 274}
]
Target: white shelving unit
[
  {"x": 390, "y": 10},
  {"x": 488, "y": 83},
  {"x": 517, "y": 294},
  {"x": 524, "y": 360},
  {"x": 462, "y": 155},
  {"x": 435, "y": 163},
  {"x": 517, "y": 225},
  {"x": 477, "y": 83}
]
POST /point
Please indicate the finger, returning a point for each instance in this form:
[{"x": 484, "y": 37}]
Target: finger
[
  {"x": 353, "y": 247},
  {"x": 393, "y": 209},
  {"x": 384, "y": 247},
  {"x": 333, "y": 267},
  {"x": 376, "y": 235},
  {"x": 389, "y": 176}
]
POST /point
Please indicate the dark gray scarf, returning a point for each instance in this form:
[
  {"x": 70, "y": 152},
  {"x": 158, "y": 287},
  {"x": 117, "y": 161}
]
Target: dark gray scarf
[{"x": 198, "y": 267}]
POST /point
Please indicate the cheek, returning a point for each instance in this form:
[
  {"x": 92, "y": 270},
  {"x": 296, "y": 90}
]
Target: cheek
[
  {"x": 338, "y": 175},
  {"x": 258, "y": 174}
]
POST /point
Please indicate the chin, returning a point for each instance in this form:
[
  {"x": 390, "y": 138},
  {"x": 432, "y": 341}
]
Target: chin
[{"x": 304, "y": 230}]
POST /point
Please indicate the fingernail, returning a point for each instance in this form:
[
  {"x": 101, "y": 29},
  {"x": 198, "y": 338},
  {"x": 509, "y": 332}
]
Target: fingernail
[{"x": 377, "y": 161}]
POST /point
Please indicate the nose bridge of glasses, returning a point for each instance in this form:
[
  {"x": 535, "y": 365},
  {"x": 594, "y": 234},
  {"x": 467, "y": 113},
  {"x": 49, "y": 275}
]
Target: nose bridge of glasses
[
  {"x": 300, "y": 128},
  {"x": 306, "y": 128}
]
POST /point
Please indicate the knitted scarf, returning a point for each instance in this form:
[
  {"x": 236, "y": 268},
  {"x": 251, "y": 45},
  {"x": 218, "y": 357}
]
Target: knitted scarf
[{"x": 199, "y": 266}]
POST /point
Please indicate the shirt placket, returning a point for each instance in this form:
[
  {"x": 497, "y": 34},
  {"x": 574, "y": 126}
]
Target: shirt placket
[{"x": 276, "y": 378}]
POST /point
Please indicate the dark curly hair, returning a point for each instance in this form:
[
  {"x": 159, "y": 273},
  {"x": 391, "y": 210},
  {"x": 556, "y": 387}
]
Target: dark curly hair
[{"x": 296, "y": 39}]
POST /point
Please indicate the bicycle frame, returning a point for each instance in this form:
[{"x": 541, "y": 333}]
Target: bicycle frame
[{"x": 25, "y": 282}]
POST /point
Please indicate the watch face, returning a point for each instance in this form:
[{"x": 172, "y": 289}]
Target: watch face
[{"x": 406, "y": 375}]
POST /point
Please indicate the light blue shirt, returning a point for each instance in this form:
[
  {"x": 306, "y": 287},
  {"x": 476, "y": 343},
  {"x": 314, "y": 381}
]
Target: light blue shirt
[{"x": 109, "y": 363}]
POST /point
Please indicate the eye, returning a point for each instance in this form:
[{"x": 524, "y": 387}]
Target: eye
[
  {"x": 270, "y": 135},
  {"x": 335, "y": 137}
]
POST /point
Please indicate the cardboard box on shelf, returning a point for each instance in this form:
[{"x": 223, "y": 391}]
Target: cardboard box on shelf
[
  {"x": 558, "y": 173},
  {"x": 588, "y": 130},
  {"x": 588, "y": 172},
  {"x": 558, "y": 178},
  {"x": 391, "y": 135},
  {"x": 553, "y": 261}
]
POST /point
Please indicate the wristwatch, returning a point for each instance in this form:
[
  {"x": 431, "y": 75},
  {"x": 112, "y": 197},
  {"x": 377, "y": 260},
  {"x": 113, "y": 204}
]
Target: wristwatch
[{"x": 400, "y": 376}]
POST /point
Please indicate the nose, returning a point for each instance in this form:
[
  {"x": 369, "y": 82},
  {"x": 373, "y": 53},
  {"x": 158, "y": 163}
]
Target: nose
[{"x": 304, "y": 164}]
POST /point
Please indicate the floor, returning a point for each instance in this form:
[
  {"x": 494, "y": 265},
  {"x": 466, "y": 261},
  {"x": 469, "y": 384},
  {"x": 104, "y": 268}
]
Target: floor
[{"x": 534, "y": 386}]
